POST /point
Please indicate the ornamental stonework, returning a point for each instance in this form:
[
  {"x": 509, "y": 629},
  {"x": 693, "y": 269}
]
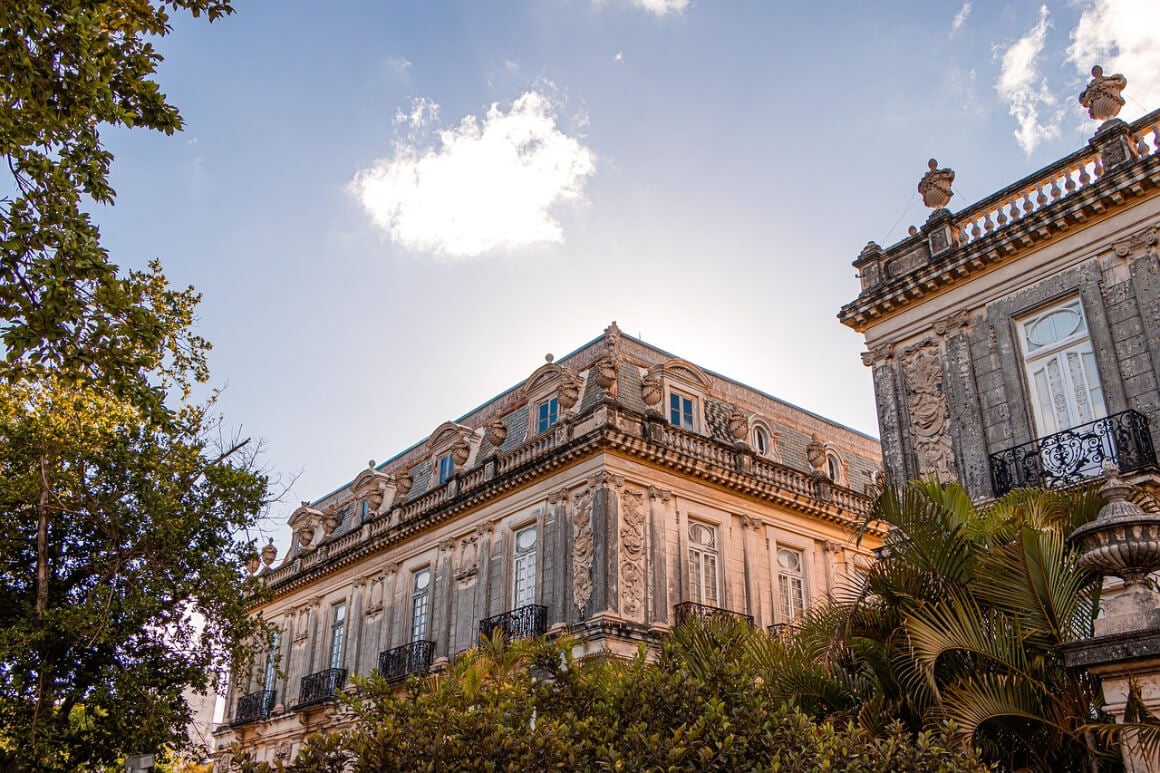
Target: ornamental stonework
[
  {"x": 929, "y": 414},
  {"x": 632, "y": 546},
  {"x": 582, "y": 550}
]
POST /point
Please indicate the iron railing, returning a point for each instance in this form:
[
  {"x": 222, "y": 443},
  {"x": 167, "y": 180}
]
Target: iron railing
[
  {"x": 782, "y": 630},
  {"x": 521, "y": 623},
  {"x": 414, "y": 658},
  {"x": 253, "y": 707},
  {"x": 1075, "y": 454},
  {"x": 320, "y": 687},
  {"x": 686, "y": 611}
]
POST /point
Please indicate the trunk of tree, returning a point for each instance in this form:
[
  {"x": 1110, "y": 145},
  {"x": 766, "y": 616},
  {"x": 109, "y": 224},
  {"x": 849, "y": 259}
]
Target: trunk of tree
[{"x": 42, "y": 542}]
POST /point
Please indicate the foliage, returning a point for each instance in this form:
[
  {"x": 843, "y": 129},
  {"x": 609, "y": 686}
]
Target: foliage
[
  {"x": 531, "y": 705},
  {"x": 121, "y": 583},
  {"x": 962, "y": 621}
]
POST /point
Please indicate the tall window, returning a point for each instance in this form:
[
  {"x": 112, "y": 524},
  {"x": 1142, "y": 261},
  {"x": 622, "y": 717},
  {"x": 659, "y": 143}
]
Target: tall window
[
  {"x": 703, "y": 561},
  {"x": 420, "y": 603},
  {"x": 337, "y": 635},
  {"x": 269, "y": 673},
  {"x": 546, "y": 414},
  {"x": 446, "y": 467},
  {"x": 524, "y": 568},
  {"x": 1061, "y": 368},
  {"x": 791, "y": 585},
  {"x": 833, "y": 467},
  {"x": 682, "y": 411}
]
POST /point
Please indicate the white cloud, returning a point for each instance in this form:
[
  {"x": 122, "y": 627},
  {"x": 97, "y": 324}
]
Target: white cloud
[
  {"x": 1024, "y": 90},
  {"x": 961, "y": 17},
  {"x": 484, "y": 186},
  {"x": 398, "y": 64},
  {"x": 619, "y": 57},
  {"x": 1124, "y": 37},
  {"x": 656, "y": 7},
  {"x": 422, "y": 114}
]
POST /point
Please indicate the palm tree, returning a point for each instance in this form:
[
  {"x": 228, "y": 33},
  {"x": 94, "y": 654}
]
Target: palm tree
[{"x": 961, "y": 621}]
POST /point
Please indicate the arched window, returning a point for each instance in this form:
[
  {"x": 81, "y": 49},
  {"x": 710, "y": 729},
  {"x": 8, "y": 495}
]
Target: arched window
[
  {"x": 761, "y": 440},
  {"x": 833, "y": 467}
]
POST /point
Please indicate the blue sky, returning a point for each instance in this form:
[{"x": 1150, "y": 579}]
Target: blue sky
[{"x": 394, "y": 210}]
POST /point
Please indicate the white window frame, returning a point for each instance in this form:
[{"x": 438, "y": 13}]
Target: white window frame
[
  {"x": 552, "y": 403},
  {"x": 524, "y": 564},
  {"x": 337, "y": 652},
  {"x": 419, "y": 622},
  {"x": 441, "y": 475},
  {"x": 1038, "y": 359},
  {"x": 791, "y": 584},
  {"x": 704, "y": 564},
  {"x": 694, "y": 413}
]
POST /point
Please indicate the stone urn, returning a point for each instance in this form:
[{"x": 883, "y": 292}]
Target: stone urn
[
  {"x": 1102, "y": 95},
  {"x": 1124, "y": 542},
  {"x": 460, "y": 452},
  {"x": 496, "y": 433},
  {"x": 650, "y": 390},
  {"x": 605, "y": 372},
  {"x": 738, "y": 425},
  {"x": 935, "y": 185},
  {"x": 568, "y": 393},
  {"x": 269, "y": 553},
  {"x": 403, "y": 483}
]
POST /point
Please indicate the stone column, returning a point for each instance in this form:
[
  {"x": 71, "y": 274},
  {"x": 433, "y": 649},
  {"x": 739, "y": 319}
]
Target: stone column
[
  {"x": 632, "y": 552},
  {"x": 884, "y": 373},
  {"x": 605, "y": 538},
  {"x": 556, "y": 544},
  {"x": 441, "y": 602},
  {"x": 354, "y": 619},
  {"x": 658, "y": 582},
  {"x": 750, "y": 526}
]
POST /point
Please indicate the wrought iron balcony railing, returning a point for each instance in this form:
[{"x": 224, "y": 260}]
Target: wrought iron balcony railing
[
  {"x": 320, "y": 687},
  {"x": 1075, "y": 454},
  {"x": 688, "y": 610},
  {"x": 782, "y": 630},
  {"x": 414, "y": 658},
  {"x": 521, "y": 623},
  {"x": 253, "y": 707}
]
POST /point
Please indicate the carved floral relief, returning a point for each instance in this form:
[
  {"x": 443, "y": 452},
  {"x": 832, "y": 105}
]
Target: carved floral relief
[
  {"x": 929, "y": 415},
  {"x": 632, "y": 545},
  {"x": 582, "y": 550}
]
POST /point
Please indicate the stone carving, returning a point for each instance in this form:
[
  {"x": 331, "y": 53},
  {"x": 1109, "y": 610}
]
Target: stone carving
[
  {"x": 1145, "y": 240},
  {"x": 605, "y": 369},
  {"x": 460, "y": 452},
  {"x": 951, "y": 323},
  {"x": 304, "y": 523},
  {"x": 375, "y": 602},
  {"x": 496, "y": 432},
  {"x": 929, "y": 415},
  {"x": 1102, "y": 95},
  {"x": 877, "y": 355},
  {"x": 403, "y": 483},
  {"x": 650, "y": 390},
  {"x": 935, "y": 185},
  {"x": 568, "y": 393},
  {"x": 302, "y": 625},
  {"x": 282, "y": 750},
  {"x": 738, "y": 424},
  {"x": 605, "y": 478},
  {"x": 659, "y": 493},
  {"x": 816, "y": 454},
  {"x": 582, "y": 550},
  {"x": 330, "y": 521},
  {"x": 467, "y": 557},
  {"x": 632, "y": 546}
]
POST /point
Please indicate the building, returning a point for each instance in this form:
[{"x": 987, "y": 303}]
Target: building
[
  {"x": 612, "y": 493},
  {"x": 1016, "y": 343}
]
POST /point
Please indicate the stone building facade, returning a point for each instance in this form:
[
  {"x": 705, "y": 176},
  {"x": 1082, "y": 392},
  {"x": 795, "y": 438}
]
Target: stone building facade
[
  {"x": 1017, "y": 342},
  {"x": 612, "y": 493}
]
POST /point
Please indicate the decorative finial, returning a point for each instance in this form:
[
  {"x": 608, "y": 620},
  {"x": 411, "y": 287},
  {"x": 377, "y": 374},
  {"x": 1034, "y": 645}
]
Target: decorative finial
[
  {"x": 371, "y": 463},
  {"x": 1102, "y": 95},
  {"x": 913, "y": 230},
  {"x": 935, "y": 185},
  {"x": 548, "y": 358},
  {"x": 269, "y": 553}
]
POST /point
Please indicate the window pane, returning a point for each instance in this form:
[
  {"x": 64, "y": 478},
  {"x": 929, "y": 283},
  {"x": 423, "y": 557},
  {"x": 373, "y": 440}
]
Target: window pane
[
  {"x": 675, "y": 410},
  {"x": 420, "y": 594}
]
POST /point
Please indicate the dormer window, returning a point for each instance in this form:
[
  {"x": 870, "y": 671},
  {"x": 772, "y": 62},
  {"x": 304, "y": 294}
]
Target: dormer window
[
  {"x": 683, "y": 411},
  {"x": 761, "y": 441},
  {"x": 547, "y": 413},
  {"x": 446, "y": 467}
]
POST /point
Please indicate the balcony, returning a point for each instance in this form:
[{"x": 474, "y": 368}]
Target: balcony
[
  {"x": 414, "y": 658},
  {"x": 320, "y": 687},
  {"x": 253, "y": 707},
  {"x": 521, "y": 623},
  {"x": 685, "y": 612},
  {"x": 1076, "y": 454}
]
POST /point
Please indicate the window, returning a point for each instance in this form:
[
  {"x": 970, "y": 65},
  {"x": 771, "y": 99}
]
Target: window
[
  {"x": 833, "y": 467},
  {"x": 420, "y": 603},
  {"x": 1061, "y": 368},
  {"x": 546, "y": 414},
  {"x": 761, "y": 441},
  {"x": 791, "y": 586},
  {"x": 269, "y": 673},
  {"x": 364, "y": 508},
  {"x": 446, "y": 467},
  {"x": 682, "y": 411},
  {"x": 337, "y": 635},
  {"x": 703, "y": 560},
  {"x": 524, "y": 568}
]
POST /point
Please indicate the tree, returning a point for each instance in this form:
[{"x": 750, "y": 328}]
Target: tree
[
  {"x": 530, "y": 705},
  {"x": 121, "y": 580},
  {"x": 962, "y": 621}
]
